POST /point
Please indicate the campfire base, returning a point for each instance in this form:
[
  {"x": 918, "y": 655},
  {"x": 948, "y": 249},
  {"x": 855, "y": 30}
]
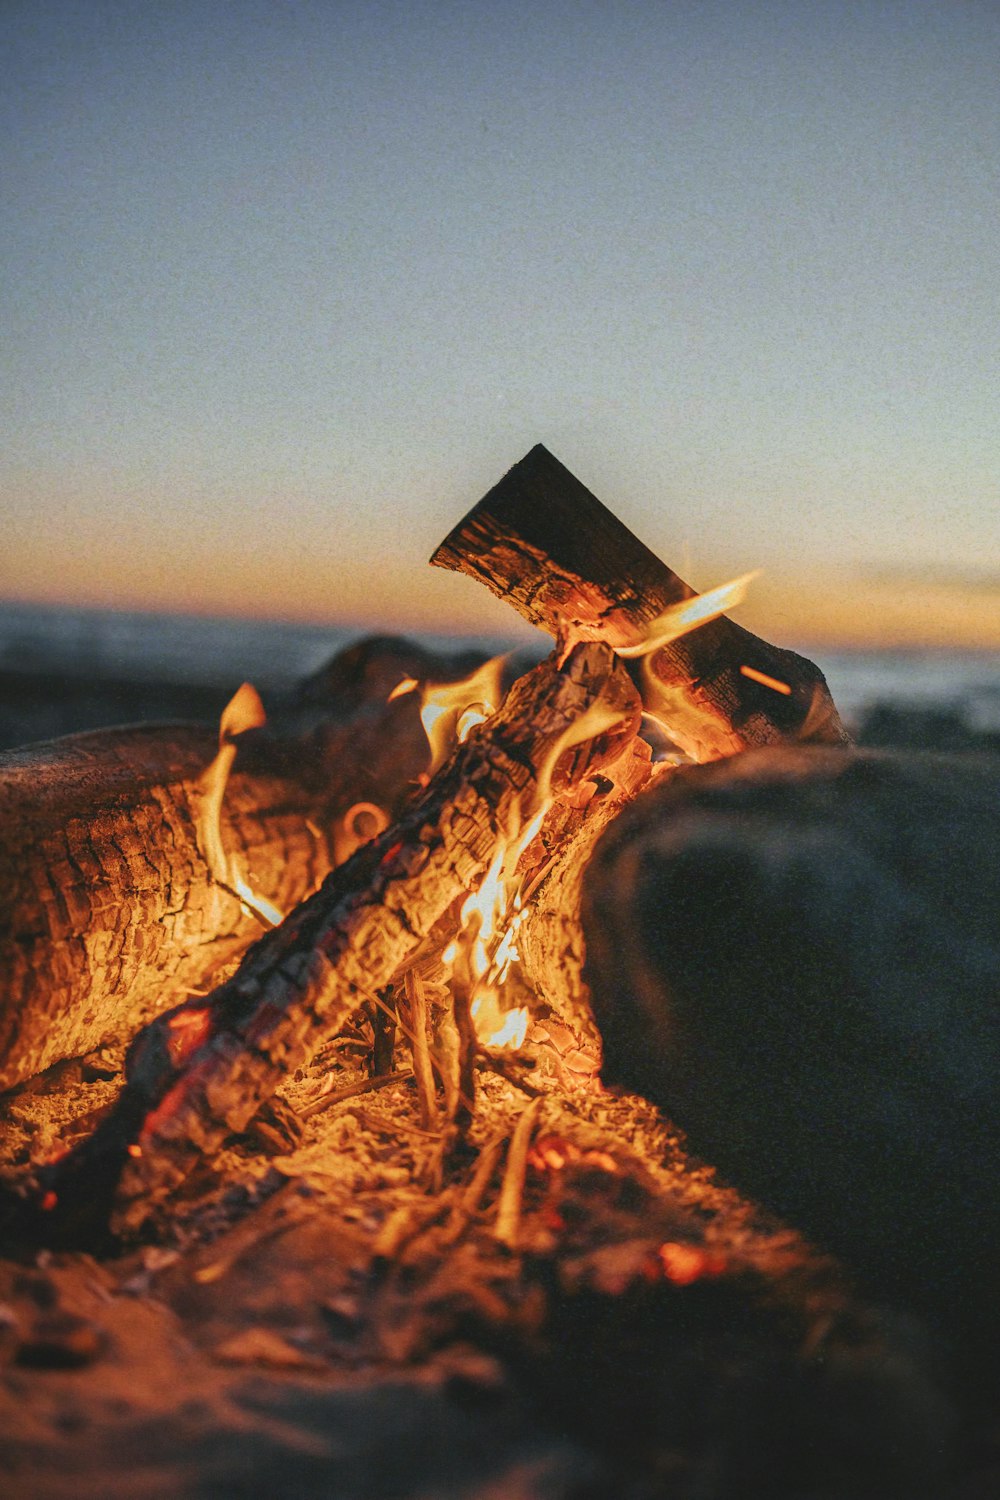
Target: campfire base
[{"x": 320, "y": 1318}]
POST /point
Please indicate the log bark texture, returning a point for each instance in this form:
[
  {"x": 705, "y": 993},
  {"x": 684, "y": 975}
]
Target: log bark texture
[
  {"x": 108, "y": 911},
  {"x": 541, "y": 540},
  {"x": 550, "y": 943},
  {"x": 204, "y": 1069},
  {"x": 796, "y": 954}
]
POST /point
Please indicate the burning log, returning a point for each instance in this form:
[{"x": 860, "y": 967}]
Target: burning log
[
  {"x": 541, "y": 540},
  {"x": 203, "y": 1070},
  {"x": 109, "y": 910},
  {"x": 795, "y": 954}
]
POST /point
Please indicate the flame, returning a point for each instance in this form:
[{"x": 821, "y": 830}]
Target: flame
[
  {"x": 486, "y": 945},
  {"x": 451, "y": 710},
  {"x": 766, "y": 681},
  {"x": 243, "y": 711},
  {"x": 596, "y": 720},
  {"x": 496, "y": 1027},
  {"x": 487, "y": 940},
  {"x": 403, "y": 686},
  {"x": 688, "y": 614}
]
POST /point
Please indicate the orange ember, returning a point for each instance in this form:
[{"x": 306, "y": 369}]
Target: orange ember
[
  {"x": 683, "y": 1264},
  {"x": 766, "y": 681}
]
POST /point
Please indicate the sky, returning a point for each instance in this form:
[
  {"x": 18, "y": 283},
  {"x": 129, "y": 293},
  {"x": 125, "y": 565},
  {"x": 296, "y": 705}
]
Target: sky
[{"x": 287, "y": 285}]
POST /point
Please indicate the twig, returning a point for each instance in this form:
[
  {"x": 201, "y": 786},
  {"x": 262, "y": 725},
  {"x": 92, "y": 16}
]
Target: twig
[
  {"x": 501, "y": 1065},
  {"x": 376, "y": 1121},
  {"x": 384, "y": 1037},
  {"x": 316, "y": 1105},
  {"x": 512, "y": 1190},
  {"x": 470, "y": 1200},
  {"x": 422, "y": 1070},
  {"x": 402, "y": 1226},
  {"x": 462, "y": 986}
]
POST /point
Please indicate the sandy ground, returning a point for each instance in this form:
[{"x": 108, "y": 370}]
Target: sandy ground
[{"x": 258, "y": 1344}]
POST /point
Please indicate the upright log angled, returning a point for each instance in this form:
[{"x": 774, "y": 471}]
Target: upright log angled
[{"x": 543, "y": 542}]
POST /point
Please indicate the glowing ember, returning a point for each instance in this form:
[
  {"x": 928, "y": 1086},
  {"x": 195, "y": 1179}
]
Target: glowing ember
[
  {"x": 683, "y": 1264},
  {"x": 451, "y": 710},
  {"x": 687, "y": 615},
  {"x": 187, "y": 1028},
  {"x": 243, "y": 711},
  {"x": 553, "y": 1153},
  {"x": 765, "y": 681}
]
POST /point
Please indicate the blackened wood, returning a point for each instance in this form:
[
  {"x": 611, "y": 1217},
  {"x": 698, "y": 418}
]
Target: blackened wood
[
  {"x": 108, "y": 912},
  {"x": 203, "y": 1070},
  {"x": 544, "y": 542},
  {"x": 796, "y": 953}
]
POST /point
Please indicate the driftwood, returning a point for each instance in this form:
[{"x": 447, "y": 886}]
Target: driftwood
[
  {"x": 108, "y": 910},
  {"x": 796, "y": 954},
  {"x": 204, "y": 1069},
  {"x": 541, "y": 540}
]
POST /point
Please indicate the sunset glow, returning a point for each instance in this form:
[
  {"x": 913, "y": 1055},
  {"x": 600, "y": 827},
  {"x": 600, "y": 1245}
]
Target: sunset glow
[{"x": 288, "y": 289}]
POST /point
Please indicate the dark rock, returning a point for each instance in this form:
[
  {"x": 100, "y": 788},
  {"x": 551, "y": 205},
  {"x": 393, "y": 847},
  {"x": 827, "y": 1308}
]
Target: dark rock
[{"x": 796, "y": 954}]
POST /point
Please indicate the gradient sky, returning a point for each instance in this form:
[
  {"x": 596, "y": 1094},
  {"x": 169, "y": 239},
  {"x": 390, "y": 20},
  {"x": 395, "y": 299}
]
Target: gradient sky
[{"x": 287, "y": 286}]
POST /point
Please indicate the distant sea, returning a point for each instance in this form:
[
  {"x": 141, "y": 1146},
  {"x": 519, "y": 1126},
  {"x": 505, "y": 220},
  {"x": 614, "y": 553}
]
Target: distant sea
[
  {"x": 181, "y": 648},
  {"x": 224, "y": 651}
]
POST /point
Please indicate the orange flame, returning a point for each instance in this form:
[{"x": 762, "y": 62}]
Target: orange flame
[
  {"x": 687, "y": 615},
  {"x": 490, "y": 918},
  {"x": 243, "y": 711},
  {"x": 596, "y": 720},
  {"x": 451, "y": 710},
  {"x": 403, "y": 686}
]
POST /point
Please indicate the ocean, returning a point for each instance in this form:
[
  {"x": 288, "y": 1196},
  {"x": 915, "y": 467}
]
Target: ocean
[{"x": 222, "y": 652}]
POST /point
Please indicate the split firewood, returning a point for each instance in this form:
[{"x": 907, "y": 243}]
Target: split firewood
[
  {"x": 109, "y": 910},
  {"x": 796, "y": 954},
  {"x": 202, "y": 1071},
  {"x": 541, "y": 540},
  {"x": 550, "y": 942}
]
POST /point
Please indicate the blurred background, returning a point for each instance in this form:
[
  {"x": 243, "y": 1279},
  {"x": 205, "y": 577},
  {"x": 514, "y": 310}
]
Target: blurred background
[{"x": 288, "y": 285}]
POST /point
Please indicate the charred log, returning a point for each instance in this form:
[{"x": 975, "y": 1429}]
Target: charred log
[
  {"x": 108, "y": 910},
  {"x": 202, "y": 1071},
  {"x": 541, "y": 540},
  {"x": 795, "y": 953}
]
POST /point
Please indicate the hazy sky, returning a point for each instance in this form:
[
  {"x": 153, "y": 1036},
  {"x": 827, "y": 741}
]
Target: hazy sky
[{"x": 287, "y": 286}]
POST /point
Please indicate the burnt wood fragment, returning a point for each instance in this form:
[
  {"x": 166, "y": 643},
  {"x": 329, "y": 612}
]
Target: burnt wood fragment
[
  {"x": 108, "y": 910},
  {"x": 796, "y": 954},
  {"x": 541, "y": 540},
  {"x": 202, "y": 1071}
]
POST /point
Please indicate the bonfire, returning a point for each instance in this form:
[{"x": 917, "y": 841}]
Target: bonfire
[{"x": 361, "y": 1039}]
